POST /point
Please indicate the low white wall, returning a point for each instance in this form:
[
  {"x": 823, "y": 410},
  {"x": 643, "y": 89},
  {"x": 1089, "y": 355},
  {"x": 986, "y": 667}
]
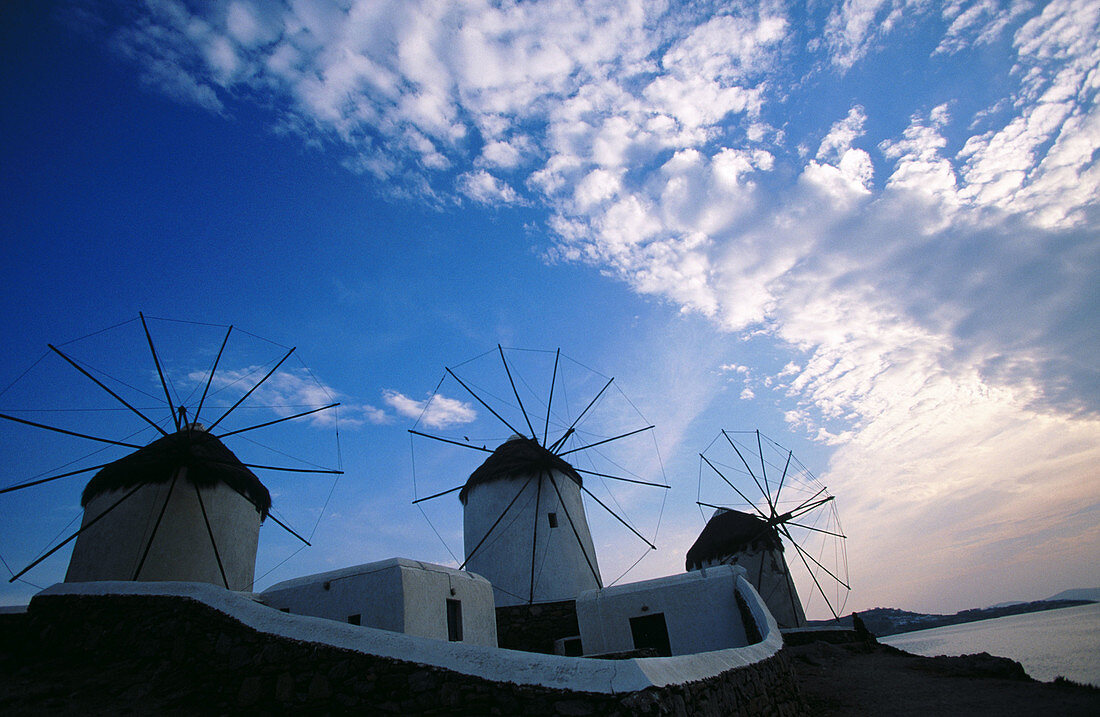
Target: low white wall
[
  {"x": 523, "y": 668},
  {"x": 398, "y": 594},
  {"x": 699, "y": 608}
]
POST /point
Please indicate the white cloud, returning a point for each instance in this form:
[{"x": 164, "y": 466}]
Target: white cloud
[
  {"x": 244, "y": 24},
  {"x": 500, "y": 154},
  {"x": 982, "y": 22},
  {"x": 1042, "y": 161},
  {"x": 287, "y": 393},
  {"x": 437, "y": 412},
  {"x": 854, "y": 27},
  {"x": 920, "y": 166},
  {"x": 485, "y": 188},
  {"x": 598, "y": 186}
]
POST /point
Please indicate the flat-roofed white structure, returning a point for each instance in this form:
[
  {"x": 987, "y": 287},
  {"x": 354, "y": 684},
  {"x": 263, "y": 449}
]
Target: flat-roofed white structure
[
  {"x": 693, "y": 612},
  {"x": 399, "y": 595}
]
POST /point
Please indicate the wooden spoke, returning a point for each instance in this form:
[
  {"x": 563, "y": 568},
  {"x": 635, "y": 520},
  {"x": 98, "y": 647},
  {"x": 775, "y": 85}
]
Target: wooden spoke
[
  {"x": 731, "y": 485},
  {"x": 448, "y": 440},
  {"x": 620, "y": 478},
  {"x": 249, "y": 393},
  {"x": 767, "y": 498},
  {"x": 278, "y": 420},
  {"x": 40, "y": 481},
  {"x": 628, "y": 525},
  {"x": 550, "y": 403},
  {"x": 99, "y": 383},
  {"x": 534, "y": 436},
  {"x": 494, "y": 525},
  {"x": 437, "y": 495},
  {"x": 210, "y": 378},
  {"x": 73, "y": 433},
  {"x": 569, "y": 431},
  {"x": 606, "y": 440},
  {"x": 67, "y": 540},
  {"x": 576, "y": 534},
  {"x": 160, "y": 372},
  {"x": 210, "y": 532},
  {"x": 487, "y": 406}
]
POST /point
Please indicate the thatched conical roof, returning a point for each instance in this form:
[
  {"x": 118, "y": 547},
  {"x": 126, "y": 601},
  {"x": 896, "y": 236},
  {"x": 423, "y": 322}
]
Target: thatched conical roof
[
  {"x": 730, "y": 532},
  {"x": 518, "y": 456},
  {"x": 206, "y": 458}
]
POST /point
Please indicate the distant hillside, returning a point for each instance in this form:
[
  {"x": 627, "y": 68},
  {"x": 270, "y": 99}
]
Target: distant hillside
[
  {"x": 883, "y": 621},
  {"x": 1092, "y": 594}
]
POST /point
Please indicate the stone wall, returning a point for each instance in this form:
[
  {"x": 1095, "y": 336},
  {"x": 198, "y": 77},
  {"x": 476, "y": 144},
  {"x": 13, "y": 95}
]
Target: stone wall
[
  {"x": 534, "y": 628},
  {"x": 111, "y": 653}
]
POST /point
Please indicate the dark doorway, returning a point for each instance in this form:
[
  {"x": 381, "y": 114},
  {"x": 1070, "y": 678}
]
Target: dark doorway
[
  {"x": 651, "y": 631},
  {"x": 454, "y": 620}
]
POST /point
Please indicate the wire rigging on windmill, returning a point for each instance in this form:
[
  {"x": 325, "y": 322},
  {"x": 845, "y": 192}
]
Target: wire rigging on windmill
[
  {"x": 526, "y": 525},
  {"x": 757, "y": 513},
  {"x": 183, "y": 506}
]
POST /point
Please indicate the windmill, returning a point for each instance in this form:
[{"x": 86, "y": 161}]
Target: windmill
[
  {"x": 777, "y": 507},
  {"x": 540, "y": 441},
  {"x": 183, "y": 506}
]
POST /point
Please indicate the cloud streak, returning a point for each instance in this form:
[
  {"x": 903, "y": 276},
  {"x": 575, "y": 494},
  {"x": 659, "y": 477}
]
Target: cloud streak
[
  {"x": 287, "y": 393},
  {"x": 436, "y": 412}
]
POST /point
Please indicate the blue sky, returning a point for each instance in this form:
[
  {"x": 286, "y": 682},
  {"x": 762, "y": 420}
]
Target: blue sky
[{"x": 868, "y": 229}]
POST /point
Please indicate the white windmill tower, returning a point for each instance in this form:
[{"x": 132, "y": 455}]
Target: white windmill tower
[
  {"x": 183, "y": 507},
  {"x": 208, "y": 508},
  {"x": 524, "y": 494},
  {"x": 526, "y": 527}
]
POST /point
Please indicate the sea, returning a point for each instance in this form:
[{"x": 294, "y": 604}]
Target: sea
[{"x": 1063, "y": 642}]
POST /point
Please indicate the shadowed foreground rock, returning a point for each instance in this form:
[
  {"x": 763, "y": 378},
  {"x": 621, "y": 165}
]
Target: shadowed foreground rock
[{"x": 875, "y": 679}]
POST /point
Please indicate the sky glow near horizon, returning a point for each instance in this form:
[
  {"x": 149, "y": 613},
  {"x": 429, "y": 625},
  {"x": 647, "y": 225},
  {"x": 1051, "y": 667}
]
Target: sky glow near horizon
[{"x": 869, "y": 228}]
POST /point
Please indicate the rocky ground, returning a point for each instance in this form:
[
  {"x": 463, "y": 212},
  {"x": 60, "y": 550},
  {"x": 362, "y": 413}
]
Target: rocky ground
[{"x": 875, "y": 679}]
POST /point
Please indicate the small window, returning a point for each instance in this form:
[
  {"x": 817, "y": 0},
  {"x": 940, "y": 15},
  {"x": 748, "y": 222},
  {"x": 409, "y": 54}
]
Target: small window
[
  {"x": 454, "y": 620},
  {"x": 355, "y": 619},
  {"x": 553, "y": 517}
]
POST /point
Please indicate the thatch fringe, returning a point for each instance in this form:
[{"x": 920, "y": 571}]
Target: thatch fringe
[
  {"x": 731, "y": 532},
  {"x": 518, "y": 456},
  {"x": 206, "y": 458}
]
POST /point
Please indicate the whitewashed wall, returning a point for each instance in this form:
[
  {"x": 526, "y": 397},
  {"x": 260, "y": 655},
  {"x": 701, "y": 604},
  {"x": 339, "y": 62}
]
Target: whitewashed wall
[
  {"x": 181, "y": 548},
  {"x": 398, "y": 594},
  {"x": 560, "y": 568},
  {"x": 700, "y": 609}
]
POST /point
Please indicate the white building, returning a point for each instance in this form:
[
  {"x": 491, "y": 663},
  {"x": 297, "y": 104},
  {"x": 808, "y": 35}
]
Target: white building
[
  {"x": 735, "y": 538},
  {"x": 524, "y": 526},
  {"x": 182, "y": 508},
  {"x": 700, "y": 611},
  {"x": 399, "y": 595}
]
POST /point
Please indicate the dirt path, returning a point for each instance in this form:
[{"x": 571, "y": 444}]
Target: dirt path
[{"x": 881, "y": 680}]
